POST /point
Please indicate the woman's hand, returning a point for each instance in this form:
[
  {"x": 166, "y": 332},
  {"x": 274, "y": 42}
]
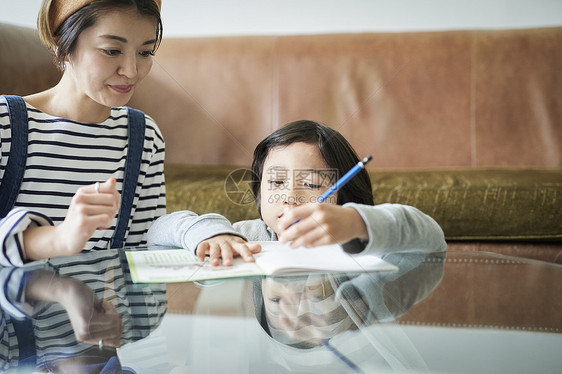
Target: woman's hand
[
  {"x": 226, "y": 246},
  {"x": 92, "y": 207},
  {"x": 92, "y": 320},
  {"x": 311, "y": 225}
]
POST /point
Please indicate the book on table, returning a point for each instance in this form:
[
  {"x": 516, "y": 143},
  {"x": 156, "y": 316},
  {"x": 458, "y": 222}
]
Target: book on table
[{"x": 275, "y": 258}]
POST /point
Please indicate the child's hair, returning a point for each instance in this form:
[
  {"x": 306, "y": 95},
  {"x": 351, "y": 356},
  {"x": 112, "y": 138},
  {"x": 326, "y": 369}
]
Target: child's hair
[
  {"x": 61, "y": 39},
  {"x": 334, "y": 148}
]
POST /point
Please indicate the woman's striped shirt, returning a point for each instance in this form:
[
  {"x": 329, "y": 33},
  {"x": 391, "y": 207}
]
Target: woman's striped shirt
[
  {"x": 140, "y": 306},
  {"x": 64, "y": 155}
]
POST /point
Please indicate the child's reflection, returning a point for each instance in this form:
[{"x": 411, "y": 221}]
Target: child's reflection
[
  {"x": 303, "y": 312},
  {"x": 346, "y": 315}
]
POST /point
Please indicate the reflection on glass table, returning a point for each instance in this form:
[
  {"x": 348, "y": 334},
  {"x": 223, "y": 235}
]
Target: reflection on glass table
[
  {"x": 68, "y": 315},
  {"x": 324, "y": 316},
  {"x": 471, "y": 312},
  {"x": 464, "y": 313}
]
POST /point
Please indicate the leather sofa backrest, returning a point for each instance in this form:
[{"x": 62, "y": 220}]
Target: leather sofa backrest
[
  {"x": 26, "y": 66},
  {"x": 412, "y": 100}
]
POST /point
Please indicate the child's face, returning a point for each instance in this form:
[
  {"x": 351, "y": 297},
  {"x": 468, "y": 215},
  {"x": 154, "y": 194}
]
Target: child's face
[
  {"x": 304, "y": 310},
  {"x": 293, "y": 175}
]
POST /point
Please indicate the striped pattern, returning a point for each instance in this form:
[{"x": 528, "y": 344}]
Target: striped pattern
[
  {"x": 141, "y": 307},
  {"x": 64, "y": 155}
]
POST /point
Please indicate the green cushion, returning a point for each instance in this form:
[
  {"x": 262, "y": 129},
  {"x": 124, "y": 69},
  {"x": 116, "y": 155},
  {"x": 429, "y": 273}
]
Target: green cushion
[
  {"x": 481, "y": 204},
  {"x": 469, "y": 204},
  {"x": 201, "y": 189}
]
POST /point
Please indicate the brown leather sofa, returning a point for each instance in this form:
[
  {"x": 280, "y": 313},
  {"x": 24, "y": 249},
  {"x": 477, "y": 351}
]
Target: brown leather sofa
[{"x": 465, "y": 125}]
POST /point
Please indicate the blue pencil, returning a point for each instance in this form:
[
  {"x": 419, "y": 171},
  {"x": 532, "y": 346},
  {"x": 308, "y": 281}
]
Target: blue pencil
[
  {"x": 344, "y": 359},
  {"x": 346, "y": 178}
]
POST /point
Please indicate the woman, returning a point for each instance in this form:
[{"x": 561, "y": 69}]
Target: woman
[{"x": 80, "y": 159}]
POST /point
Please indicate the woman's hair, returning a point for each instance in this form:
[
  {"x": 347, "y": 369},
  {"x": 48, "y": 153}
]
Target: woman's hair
[
  {"x": 334, "y": 148},
  {"x": 63, "y": 39}
]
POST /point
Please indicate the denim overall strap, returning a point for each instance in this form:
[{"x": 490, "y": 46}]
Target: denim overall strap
[
  {"x": 15, "y": 167},
  {"x": 137, "y": 127},
  {"x": 23, "y": 328},
  {"x": 26, "y": 344},
  {"x": 9, "y": 190}
]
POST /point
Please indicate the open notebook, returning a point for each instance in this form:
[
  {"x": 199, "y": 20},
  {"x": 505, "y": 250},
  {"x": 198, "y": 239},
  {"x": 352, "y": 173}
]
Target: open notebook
[{"x": 180, "y": 265}]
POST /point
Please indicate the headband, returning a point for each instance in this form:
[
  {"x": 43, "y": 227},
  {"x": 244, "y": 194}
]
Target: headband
[{"x": 62, "y": 9}]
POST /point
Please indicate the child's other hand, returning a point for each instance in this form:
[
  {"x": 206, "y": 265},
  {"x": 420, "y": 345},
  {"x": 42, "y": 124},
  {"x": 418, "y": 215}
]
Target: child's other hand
[
  {"x": 320, "y": 224},
  {"x": 226, "y": 247}
]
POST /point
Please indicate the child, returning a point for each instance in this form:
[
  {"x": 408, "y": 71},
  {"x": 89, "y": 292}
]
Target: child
[{"x": 292, "y": 167}]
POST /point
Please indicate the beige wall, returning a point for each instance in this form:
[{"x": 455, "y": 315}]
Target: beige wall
[{"x": 243, "y": 17}]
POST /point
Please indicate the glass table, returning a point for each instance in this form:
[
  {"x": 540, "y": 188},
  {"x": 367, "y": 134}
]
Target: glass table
[{"x": 466, "y": 312}]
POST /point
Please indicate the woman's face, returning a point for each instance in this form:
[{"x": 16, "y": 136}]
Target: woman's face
[
  {"x": 112, "y": 57},
  {"x": 293, "y": 175}
]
